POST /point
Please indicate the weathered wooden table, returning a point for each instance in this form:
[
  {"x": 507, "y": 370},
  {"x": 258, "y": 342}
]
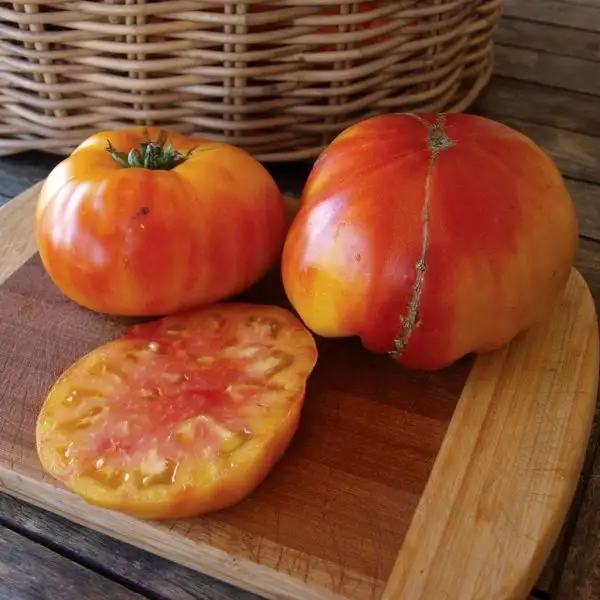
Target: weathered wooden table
[{"x": 547, "y": 85}]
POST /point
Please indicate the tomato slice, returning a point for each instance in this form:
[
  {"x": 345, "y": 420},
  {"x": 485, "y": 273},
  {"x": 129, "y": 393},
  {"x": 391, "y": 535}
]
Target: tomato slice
[{"x": 182, "y": 415}]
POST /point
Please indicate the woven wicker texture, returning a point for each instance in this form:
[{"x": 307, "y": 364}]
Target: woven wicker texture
[{"x": 279, "y": 78}]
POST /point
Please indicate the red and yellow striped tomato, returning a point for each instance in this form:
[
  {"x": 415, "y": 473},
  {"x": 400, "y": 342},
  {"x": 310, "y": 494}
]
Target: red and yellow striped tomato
[
  {"x": 430, "y": 237},
  {"x": 129, "y": 227}
]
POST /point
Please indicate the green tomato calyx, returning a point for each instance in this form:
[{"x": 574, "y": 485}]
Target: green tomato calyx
[{"x": 154, "y": 155}]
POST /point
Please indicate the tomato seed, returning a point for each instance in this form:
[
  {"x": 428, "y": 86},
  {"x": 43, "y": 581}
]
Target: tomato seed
[
  {"x": 175, "y": 377},
  {"x": 109, "y": 479},
  {"x": 150, "y": 394},
  {"x": 134, "y": 478},
  {"x": 234, "y": 442},
  {"x": 134, "y": 356},
  {"x": 243, "y": 392},
  {"x": 74, "y": 424},
  {"x": 217, "y": 323},
  {"x": 265, "y": 326},
  {"x": 248, "y": 351},
  {"x": 83, "y": 421},
  {"x": 166, "y": 476},
  {"x": 64, "y": 453},
  {"x": 79, "y": 393},
  {"x": 102, "y": 369},
  {"x": 276, "y": 362},
  {"x": 205, "y": 361}
]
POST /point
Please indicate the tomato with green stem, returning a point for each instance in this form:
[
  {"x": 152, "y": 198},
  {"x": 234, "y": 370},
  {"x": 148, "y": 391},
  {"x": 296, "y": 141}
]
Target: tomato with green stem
[{"x": 138, "y": 222}]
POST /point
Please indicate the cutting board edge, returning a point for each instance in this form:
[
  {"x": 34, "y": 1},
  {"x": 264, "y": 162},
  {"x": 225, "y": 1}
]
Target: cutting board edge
[
  {"x": 201, "y": 557},
  {"x": 412, "y": 572}
]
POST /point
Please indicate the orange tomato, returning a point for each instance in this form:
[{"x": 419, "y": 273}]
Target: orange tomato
[
  {"x": 430, "y": 237},
  {"x": 135, "y": 228},
  {"x": 180, "y": 416}
]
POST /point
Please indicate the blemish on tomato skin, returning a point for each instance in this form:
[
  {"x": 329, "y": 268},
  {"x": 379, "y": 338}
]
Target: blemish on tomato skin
[{"x": 142, "y": 212}]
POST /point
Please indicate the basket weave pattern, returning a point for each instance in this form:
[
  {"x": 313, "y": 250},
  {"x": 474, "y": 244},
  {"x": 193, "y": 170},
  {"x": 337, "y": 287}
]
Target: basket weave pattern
[{"x": 280, "y": 78}]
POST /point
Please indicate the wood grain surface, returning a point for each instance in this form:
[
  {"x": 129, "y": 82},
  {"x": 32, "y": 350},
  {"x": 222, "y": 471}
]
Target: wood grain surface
[
  {"x": 331, "y": 519},
  {"x": 46, "y": 574},
  {"x": 584, "y": 16},
  {"x": 148, "y": 574},
  {"x": 580, "y": 577}
]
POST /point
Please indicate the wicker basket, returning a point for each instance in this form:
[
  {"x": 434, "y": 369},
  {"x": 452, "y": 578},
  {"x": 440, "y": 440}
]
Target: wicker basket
[{"x": 279, "y": 78}]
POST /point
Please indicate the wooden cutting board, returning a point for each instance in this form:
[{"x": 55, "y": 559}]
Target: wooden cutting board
[{"x": 398, "y": 485}]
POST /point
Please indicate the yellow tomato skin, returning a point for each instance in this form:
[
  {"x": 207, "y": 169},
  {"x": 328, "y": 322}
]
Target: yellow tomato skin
[{"x": 145, "y": 242}]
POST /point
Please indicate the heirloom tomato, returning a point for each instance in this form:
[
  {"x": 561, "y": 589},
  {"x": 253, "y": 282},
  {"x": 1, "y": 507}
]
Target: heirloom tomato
[
  {"x": 146, "y": 223},
  {"x": 179, "y": 416},
  {"x": 430, "y": 237}
]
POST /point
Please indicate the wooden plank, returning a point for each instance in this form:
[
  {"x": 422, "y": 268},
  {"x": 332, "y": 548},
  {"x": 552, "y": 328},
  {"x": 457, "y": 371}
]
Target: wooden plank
[
  {"x": 509, "y": 98},
  {"x": 588, "y": 262},
  {"x": 23, "y": 170},
  {"x": 594, "y": 3},
  {"x": 587, "y": 204},
  {"x": 580, "y": 579},
  {"x": 548, "y": 38},
  {"x": 565, "y": 571},
  {"x": 577, "y": 155},
  {"x": 13, "y": 243},
  {"x": 573, "y": 15},
  {"x": 151, "y": 575},
  {"x": 29, "y": 571},
  {"x": 564, "y": 72}
]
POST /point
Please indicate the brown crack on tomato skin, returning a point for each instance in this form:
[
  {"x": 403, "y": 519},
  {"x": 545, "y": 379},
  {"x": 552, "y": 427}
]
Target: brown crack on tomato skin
[{"x": 437, "y": 142}]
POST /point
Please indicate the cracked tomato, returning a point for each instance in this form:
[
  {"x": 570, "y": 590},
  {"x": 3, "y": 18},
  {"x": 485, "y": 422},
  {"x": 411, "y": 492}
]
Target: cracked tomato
[
  {"x": 180, "y": 416},
  {"x": 137, "y": 222},
  {"x": 430, "y": 237}
]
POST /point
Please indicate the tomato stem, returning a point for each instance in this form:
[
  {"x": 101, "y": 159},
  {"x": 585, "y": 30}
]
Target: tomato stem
[{"x": 158, "y": 155}]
